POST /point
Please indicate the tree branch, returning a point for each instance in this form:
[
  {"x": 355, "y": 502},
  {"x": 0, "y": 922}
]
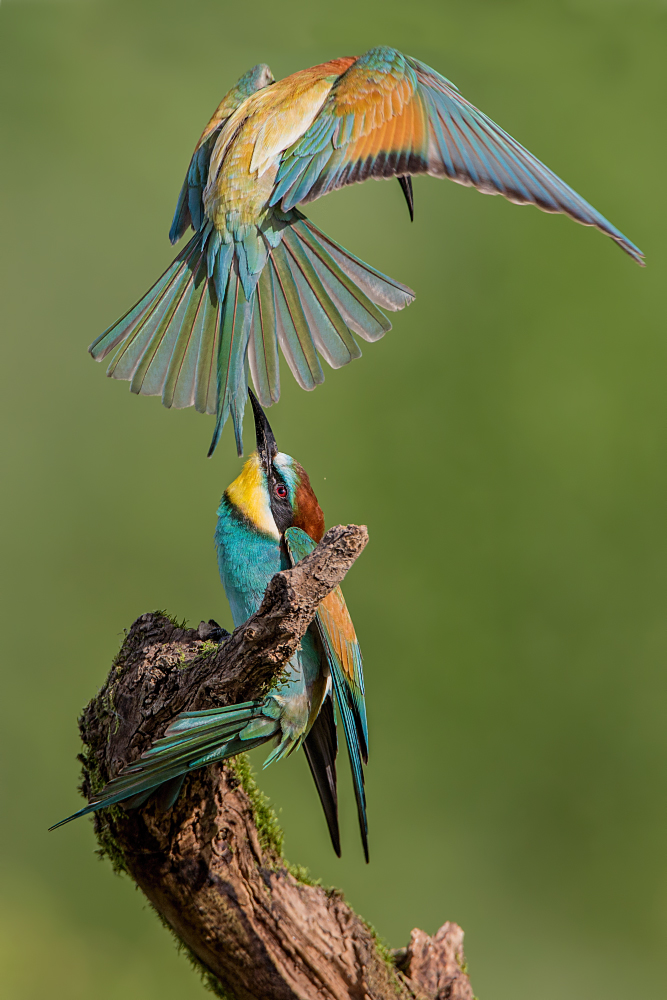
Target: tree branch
[{"x": 213, "y": 867}]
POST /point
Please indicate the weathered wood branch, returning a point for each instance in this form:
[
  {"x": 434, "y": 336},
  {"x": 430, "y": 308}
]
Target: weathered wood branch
[{"x": 212, "y": 867}]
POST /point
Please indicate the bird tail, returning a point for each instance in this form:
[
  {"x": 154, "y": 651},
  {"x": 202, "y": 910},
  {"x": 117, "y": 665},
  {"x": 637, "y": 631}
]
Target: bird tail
[
  {"x": 168, "y": 342},
  {"x": 193, "y": 740},
  {"x": 321, "y": 748},
  {"x": 313, "y": 296},
  {"x": 209, "y": 319}
]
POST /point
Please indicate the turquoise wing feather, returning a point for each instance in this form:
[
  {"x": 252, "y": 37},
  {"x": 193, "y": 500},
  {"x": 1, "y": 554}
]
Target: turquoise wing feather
[
  {"x": 190, "y": 208},
  {"x": 231, "y": 298},
  {"x": 344, "y": 657},
  {"x": 193, "y": 740},
  {"x": 391, "y": 115}
]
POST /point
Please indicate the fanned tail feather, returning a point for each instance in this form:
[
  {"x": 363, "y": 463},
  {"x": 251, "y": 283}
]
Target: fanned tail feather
[
  {"x": 220, "y": 310},
  {"x": 263, "y": 345},
  {"x": 133, "y": 320},
  {"x": 193, "y": 740},
  {"x": 378, "y": 287},
  {"x": 292, "y": 329},
  {"x": 237, "y": 314},
  {"x": 167, "y": 343}
]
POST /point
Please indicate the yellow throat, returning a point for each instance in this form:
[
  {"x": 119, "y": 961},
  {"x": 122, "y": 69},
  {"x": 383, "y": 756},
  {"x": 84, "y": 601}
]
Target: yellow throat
[{"x": 249, "y": 494}]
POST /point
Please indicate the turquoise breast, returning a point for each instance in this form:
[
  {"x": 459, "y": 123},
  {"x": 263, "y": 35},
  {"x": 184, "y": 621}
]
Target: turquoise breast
[{"x": 246, "y": 560}]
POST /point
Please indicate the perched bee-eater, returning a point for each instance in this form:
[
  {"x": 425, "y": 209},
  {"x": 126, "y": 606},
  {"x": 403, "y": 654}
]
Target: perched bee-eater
[
  {"x": 268, "y": 519},
  {"x": 257, "y": 273}
]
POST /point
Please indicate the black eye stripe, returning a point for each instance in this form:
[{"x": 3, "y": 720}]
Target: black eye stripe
[{"x": 281, "y": 508}]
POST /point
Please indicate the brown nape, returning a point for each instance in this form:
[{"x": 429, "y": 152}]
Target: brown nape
[{"x": 308, "y": 515}]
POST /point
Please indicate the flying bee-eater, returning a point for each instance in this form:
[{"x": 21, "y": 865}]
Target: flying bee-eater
[
  {"x": 258, "y": 274},
  {"x": 268, "y": 520}
]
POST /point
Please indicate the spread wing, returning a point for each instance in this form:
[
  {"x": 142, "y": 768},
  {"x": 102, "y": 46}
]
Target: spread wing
[
  {"x": 189, "y": 209},
  {"x": 390, "y": 115},
  {"x": 344, "y": 657}
]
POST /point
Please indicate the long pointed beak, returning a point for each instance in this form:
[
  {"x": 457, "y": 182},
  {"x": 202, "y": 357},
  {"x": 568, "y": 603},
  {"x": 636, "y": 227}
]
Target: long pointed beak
[
  {"x": 266, "y": 443},
  {"x": 406, "y": 186}
]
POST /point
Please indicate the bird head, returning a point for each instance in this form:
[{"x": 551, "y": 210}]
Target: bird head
[
  {"x": 273, "y": 492},
  {"x": 255, "y": 79}
]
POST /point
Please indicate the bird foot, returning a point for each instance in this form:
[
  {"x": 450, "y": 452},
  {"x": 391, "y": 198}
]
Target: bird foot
[{"x": 212, "y": 632}]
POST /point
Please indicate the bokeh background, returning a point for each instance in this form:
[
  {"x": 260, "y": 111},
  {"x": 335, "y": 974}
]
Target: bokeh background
[{"x": 506, "y": 444}]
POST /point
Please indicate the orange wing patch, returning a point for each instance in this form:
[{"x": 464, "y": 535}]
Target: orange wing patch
[
  {"x": 405, "y": 133},
  {"x": 335, "y": 67},
  {"x": 372, "y": 99},
  {"x": 340, "y": 630}
]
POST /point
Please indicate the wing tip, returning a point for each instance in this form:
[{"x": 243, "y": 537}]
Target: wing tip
[
  {"x": 633, "y": 251},
  {"x": 86, "y": 811}
]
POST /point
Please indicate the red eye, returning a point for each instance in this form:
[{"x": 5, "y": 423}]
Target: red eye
[{"x": 280, "y": 491}]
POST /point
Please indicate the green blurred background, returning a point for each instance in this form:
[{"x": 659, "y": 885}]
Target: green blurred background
[{"x": 505, "y": 444}]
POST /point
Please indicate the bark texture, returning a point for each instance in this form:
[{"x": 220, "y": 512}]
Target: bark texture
[{"x": 212, "y": 867}]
